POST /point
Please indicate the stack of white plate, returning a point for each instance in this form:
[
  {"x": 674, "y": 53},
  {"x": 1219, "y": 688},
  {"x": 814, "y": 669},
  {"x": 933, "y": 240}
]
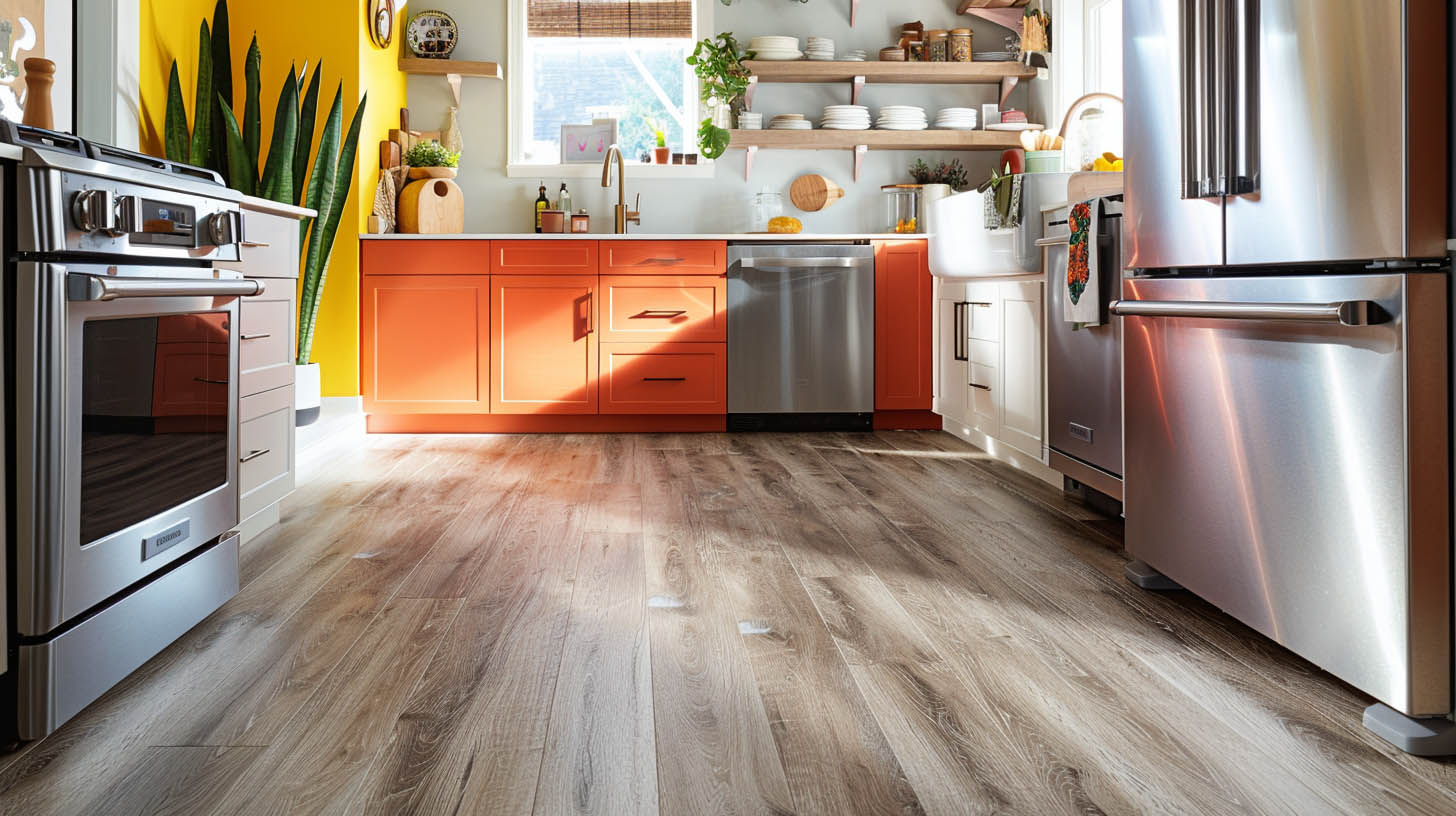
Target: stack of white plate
[
  {"x": 790, "y": 121},
  {"x": 893, "y": 53},
  {"x": 995, "y": 56},
  {"x": 820, "y": 48},
  {"x": 750, "y": 121},
  {"x": 853, "y": 56},
  {"x": 901, "y": 117},
  {"x": 845, "y": 117},
  {"x": 775, "y": 48},
  {"x": 956, "y": 119}
]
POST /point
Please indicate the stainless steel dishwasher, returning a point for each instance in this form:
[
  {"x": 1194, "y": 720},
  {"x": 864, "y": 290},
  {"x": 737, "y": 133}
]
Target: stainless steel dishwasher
[{"x": 801, "y": 336}]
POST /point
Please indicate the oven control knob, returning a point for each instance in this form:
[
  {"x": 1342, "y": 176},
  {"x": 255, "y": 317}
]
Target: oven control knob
[
  {"x": 94, "y": 211},
  {"x": 224, "y": 228}
]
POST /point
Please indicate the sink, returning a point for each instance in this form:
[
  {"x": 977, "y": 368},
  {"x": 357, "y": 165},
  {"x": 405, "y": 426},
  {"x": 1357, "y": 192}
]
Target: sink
[{"x": 961, "y": 246}]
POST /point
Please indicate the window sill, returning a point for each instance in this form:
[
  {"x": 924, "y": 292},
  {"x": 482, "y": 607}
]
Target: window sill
[{"x": 701, "y": 170}]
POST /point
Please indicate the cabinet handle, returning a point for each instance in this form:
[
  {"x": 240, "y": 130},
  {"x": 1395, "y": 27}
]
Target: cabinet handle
[
  {"x": 664, "y": 379},
  {"x": 978, "y": 385},
  {"x": 664, "y": 313},
  {"x": 254, "y": 454},
  {"x": 259, "y": 336},
  {"x": 591, "y": 312},
  {"x": 981, "y": 303},
  {"x": 665, "y": 260},
  {"x": 958, "y": 347},
  {"x": 207, "y": 381},
  {"x": 254, "y": 244}
]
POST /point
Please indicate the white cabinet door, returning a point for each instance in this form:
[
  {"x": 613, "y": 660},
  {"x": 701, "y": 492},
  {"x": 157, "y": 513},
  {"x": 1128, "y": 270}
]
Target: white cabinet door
[
  {"x": 984, "y": 391},
  {"x": 1021, "y": 372},
  {"x": 950, "y": 359}
]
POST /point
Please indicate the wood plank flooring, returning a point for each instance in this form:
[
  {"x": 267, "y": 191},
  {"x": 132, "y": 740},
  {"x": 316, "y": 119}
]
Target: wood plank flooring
[{"x": 885, "y": 623}]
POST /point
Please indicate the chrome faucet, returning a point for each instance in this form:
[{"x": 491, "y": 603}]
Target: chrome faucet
[{"x": 621, "y": 215}]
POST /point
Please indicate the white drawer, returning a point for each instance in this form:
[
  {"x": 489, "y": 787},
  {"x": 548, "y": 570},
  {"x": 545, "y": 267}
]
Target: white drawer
[
  {"x": 986, "y": 353},
  {"x": 270, "y": 246},
  {"x": 984, "y": 317},
  {"x": 983, "y": 387},
  {"x": 266, "y": 339},
  {"x": 265, "y": 450}
]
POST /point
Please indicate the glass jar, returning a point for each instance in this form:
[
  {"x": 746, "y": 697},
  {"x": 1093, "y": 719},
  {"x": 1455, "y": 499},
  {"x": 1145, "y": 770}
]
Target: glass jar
[
  {"x": 960, "y": 45},
  {"x": 766, "y": 207},
  {"x": 938, "y": 43},
  {"x": 902, "y": 208},
  {"x": 915, "y": 51}
]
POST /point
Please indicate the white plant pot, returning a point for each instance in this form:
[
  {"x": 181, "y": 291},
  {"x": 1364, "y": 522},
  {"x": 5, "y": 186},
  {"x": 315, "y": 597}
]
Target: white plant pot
[{"x": 307, "y": 393}]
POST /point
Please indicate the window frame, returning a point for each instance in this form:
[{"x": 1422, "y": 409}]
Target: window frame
[
  {"x": 1070, "y": 65},
  {"x": 516, "y": 99}
]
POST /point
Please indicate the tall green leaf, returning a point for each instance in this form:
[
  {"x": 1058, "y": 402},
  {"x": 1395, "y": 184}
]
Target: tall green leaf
[
  {"x": 176, "y": 136},
  {"x": 222, "y": 85},
  {"x": 344, "y": 180},
  {"x": 278, "y": 172},
  {"x": 253, "y": 105},
  {"x": 307, "y": 117},
  {"x": 320, "y": 196},
  {"x": 202, "y": 103},
  {"x": 240, "y": 162}
]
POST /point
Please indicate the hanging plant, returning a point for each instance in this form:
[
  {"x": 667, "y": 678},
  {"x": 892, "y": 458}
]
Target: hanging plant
[{"x": 722, "y": 80}]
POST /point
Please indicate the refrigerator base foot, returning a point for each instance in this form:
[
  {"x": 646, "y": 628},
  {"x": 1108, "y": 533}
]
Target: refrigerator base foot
[
  {"x": 1425, "y": 737},
  {"x": 1145, "y": 577}
]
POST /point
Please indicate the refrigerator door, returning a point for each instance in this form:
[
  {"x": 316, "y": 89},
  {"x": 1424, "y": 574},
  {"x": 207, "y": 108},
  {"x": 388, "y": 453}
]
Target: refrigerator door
[
  {"x": 1170, "y": 135},
  {"x": 1337, "y": 131},
  {"x": 1291, "y": 468}
]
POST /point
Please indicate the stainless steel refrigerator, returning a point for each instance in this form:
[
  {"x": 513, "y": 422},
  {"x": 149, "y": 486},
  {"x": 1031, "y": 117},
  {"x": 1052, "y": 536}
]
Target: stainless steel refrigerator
[{"x": 1287, "y": 432}]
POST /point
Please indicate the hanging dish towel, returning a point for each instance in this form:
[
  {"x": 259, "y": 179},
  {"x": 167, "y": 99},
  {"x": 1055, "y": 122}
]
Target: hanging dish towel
[
  {"x": 1082, "y": 295},
  {"x": 1005, "y": 193}
]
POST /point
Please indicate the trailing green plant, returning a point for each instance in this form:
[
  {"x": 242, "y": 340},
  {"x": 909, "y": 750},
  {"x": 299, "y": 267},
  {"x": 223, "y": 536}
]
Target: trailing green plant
[
  {"x": 951, "y": 173},
  {"x": 431, "y": 154},
  {"x": 722, "y": 81}
]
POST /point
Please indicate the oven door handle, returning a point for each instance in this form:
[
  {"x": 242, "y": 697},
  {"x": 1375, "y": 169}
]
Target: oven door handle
[
  {"x": 1345, "y": 313},
  {"x": 95, "y": 287}
]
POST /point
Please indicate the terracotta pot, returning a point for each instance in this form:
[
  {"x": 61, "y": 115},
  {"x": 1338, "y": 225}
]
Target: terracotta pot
[
  {"x": 662, "y": 154},
  {"x": 417, "y": 173}
]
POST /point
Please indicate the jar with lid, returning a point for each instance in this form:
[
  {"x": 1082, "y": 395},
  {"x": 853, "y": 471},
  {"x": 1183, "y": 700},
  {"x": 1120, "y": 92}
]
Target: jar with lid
[
  {"x": 960, "y": 45},
  {"x": 580, "y": 221},
  {"x": 937, "y": 43},
  {"x": 766, "y": 207},
  {"x": 902, "y": 208},
  {"x": 915, "y": 51}
]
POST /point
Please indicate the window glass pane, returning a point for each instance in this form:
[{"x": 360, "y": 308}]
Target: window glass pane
[
  {"x": 573, "y": 81},
  {"x": 1104, "y": 45}
]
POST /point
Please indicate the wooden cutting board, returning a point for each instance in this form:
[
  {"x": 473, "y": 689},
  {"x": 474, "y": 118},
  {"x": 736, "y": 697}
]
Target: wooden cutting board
[
  {"x": 812, "y": 193},
  {"x": 432, "y": 207},
  {"x": 1087, "y": 186}
]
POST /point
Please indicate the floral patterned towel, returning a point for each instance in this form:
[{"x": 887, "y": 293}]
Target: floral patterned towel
[{"x": 1083, "y": 296}]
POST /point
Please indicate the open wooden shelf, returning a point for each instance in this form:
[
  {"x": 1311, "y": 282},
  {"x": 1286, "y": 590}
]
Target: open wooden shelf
[
  {"x": 450, "y": 67},
  {"x": 889, "y": 73},
  {"x": 862, "y": 141}
]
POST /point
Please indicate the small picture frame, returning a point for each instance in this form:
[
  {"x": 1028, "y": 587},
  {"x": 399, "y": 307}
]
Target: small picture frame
[{"x": 587, "y": 144}]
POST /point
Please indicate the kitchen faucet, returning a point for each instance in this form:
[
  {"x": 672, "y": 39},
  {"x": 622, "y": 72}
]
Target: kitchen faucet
[{"x": 621, "y": 215}]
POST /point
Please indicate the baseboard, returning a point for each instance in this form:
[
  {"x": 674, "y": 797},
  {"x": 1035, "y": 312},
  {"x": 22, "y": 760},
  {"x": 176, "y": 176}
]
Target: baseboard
[
  {"x": 1003, "y": 452},
  {"x": 538, "y": 423},
  {"x": 907, "y": 421},
  {"x": 258, "y": 523}
]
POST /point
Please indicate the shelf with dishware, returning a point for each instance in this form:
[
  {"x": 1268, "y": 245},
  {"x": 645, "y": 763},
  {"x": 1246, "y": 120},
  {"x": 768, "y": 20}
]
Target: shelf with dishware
[
  {"x": 859, "y": 74},
  {"x": 861, "y": 141}
]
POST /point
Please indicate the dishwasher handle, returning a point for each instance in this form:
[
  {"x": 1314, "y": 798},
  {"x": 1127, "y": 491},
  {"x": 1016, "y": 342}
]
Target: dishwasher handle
[
  {"x": 804, "y": 263},
  {"x": 1345, "y": 313}
]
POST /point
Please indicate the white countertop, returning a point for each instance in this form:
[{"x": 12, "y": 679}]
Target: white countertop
[
  {"x": 276, "y": 208},
  {"x": 647, "y": 236}
]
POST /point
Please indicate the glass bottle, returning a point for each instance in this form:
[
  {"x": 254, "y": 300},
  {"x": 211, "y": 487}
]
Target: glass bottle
[{"x": 542, "y": 204}]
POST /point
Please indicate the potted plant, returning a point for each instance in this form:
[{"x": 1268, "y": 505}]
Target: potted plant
[
  {"x": 662, "y": 154},
  {"x": 430, "y": 159},
  {"x": 722, "y": 83},
  {"x": 218, "y": 141}
]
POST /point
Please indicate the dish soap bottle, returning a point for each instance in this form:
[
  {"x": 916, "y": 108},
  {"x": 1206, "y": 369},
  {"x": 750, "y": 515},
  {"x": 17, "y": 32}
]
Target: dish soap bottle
[
  {"x": 542, "y": 204},
  {"x": 565, "y": 204}
]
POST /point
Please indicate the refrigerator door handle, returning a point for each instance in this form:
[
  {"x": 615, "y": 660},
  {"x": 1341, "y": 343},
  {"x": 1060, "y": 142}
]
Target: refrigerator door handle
[
  {"x": 1345, "y": 313},
  {"x": 1243, "y": 96},
  {"x": 1202, "y": 91}
]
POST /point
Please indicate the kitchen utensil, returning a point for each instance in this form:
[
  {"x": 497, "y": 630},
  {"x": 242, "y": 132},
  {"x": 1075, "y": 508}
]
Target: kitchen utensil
[
  {"x": 40, "y": 76},
  {"x": 389, "y": 155},
  {"x": 432, "y": 207},
  {"x": 902, "y": 207},
  {"x": 813, "y": 192}
]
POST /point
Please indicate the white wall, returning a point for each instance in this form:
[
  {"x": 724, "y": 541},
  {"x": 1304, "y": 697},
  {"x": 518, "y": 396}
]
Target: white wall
[{"x": 495, "y": 203}]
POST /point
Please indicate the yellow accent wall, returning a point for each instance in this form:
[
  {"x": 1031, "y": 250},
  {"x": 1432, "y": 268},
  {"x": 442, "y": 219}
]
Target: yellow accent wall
[{"x": 334, "y": 31}]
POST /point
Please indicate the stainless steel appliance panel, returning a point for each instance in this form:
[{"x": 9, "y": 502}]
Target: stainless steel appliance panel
[
  {"x": 1162, "y": 227},
  {"x": 1344, "y": 139},
  {"x": 801, "y": 328},
  {"x": 1293, "y": 469}
]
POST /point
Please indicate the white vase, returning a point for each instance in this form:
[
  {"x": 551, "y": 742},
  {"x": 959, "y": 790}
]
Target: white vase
[{"x": 307, "y": 393}]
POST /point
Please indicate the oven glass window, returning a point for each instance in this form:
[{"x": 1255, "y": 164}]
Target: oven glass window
[{"x": 154, "y": 417}]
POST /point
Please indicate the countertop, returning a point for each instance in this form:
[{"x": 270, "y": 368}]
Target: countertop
[{"x": 648, "y": 236}]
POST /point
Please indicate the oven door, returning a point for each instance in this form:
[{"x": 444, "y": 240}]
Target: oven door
[{"x": 127, "y": 417}]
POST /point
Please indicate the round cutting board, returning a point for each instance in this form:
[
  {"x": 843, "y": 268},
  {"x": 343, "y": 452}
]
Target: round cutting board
[{"x": 813, "y": 192}]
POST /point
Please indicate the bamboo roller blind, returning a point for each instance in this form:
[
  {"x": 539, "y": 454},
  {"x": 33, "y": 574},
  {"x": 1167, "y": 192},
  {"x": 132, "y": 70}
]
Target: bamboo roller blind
[{"x": 610, "y": 18}]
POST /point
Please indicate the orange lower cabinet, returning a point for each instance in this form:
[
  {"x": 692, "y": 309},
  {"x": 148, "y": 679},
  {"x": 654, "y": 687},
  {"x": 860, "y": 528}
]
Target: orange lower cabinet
[
  {"x": 664, "y": 308},
  {"x": 425, "y": 344},
  {"x": 543, "y": 348},
  {"x": 664, "y": 378},
  {"x": 904, "y": 301}
]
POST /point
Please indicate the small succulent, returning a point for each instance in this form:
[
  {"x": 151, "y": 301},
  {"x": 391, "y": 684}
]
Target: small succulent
[{"x": 431, "y": 154}]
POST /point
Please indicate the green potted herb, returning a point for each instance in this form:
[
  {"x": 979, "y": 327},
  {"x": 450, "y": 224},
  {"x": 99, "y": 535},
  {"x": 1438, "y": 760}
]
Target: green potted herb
[
  {"x": 722, "y": 83},
  {"x": 430, "y": 159}
]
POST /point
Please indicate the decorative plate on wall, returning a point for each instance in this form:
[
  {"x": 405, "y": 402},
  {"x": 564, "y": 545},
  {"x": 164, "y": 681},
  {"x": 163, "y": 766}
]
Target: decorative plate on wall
[
  {"x": 431, "y": 34},
  {"x": 381, "y": 22}
]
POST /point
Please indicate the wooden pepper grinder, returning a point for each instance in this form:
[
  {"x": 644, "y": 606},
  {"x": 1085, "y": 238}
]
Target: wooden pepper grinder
[{"x": 40, "y": 75}]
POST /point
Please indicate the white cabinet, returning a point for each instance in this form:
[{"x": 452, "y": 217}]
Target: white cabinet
[
  {"x": 1021, "y": 402},
  {"x": 951, "y": 355}
]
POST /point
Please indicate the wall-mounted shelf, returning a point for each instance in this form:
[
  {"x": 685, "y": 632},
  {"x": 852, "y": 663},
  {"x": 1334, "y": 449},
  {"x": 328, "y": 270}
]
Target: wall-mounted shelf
[
  {"x": 861, "y": 141},
  {"x": 1004, "y": 13},
  {"x": 859, "y": 74},
  {"x": 452, "y": 70}
]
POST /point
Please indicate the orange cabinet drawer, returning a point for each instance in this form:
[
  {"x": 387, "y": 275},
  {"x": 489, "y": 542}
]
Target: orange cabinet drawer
[
  {"x": 424, "y": 257},
  {"x": 664, "y": 257},
  {"x": 664, "y": 378},
  {"x": 660, "y": 308},
  {"x": 543, "y": 257}
]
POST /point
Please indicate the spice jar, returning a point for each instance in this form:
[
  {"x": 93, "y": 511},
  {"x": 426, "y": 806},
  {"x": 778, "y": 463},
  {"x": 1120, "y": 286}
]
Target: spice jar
[
  {"x": 915, "y": 51},
  {"x": 960, "y": 45},
  {"x": 580, "y": 221},
  {"x": 902, "y": 208},
  {"x": 938, "y": 45}
]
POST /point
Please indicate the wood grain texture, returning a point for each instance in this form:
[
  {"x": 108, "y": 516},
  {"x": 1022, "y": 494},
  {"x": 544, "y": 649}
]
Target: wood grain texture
[{"x": 884, "y": 622}]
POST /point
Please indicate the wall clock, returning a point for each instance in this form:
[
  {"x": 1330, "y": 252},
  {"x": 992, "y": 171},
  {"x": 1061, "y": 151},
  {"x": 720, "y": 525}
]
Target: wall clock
[
  {"x": 381, "y": 22},
  {"x": 431, "y": 34}
]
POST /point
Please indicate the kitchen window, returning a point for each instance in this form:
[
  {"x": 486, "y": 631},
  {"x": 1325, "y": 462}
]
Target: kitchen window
[
  {"x": 575, "y": 61},
  {"x": 1088, "y": 53}
]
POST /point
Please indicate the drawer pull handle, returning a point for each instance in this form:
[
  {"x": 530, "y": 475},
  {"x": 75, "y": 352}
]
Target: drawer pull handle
[
  {"x": 254, "y": 244},
  {"x": 664, "y": 313},
  {"x": 207, "y": 381},
  {"x": 255, "y": 454},
  {"x": 259, "y": 336},
  {"x": 665, "y": 260},
  {"x": 982, "y": 387},
  {"x": 664, "y": 379}
]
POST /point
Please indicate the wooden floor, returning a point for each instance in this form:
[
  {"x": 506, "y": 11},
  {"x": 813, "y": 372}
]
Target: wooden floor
[{"x": 818, "y": 624}]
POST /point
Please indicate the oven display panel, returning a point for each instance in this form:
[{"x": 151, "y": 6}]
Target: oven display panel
[{"x": 166, "y": 223}]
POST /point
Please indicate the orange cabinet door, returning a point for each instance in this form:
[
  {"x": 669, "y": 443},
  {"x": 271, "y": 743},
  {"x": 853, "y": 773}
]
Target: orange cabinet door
[
  {"x": 425, "y": 344},
  {"x": 544, "y": 256},
  {"x": 664, "y": 378},
  {"x": 903, "y": 340},
  {"x": 543, "y": 350},
  {"x": 663, "y": 308},
  {"x": 423, "y": 256},
  {"x": 663, "y": 257}
]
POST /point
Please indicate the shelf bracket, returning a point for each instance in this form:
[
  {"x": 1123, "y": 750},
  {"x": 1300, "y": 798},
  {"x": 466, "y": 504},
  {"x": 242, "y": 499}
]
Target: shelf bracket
[
  {"x": 748, "y": 154},
  {"x": 859, "y": 154},
  {"x": 454, "y": 82},
  {"x": 856, "y": 85},
  {"x": 1008, "y": 84},
  {"x": 853, "y": 12},
  {"x": 748, "y": 93}
]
